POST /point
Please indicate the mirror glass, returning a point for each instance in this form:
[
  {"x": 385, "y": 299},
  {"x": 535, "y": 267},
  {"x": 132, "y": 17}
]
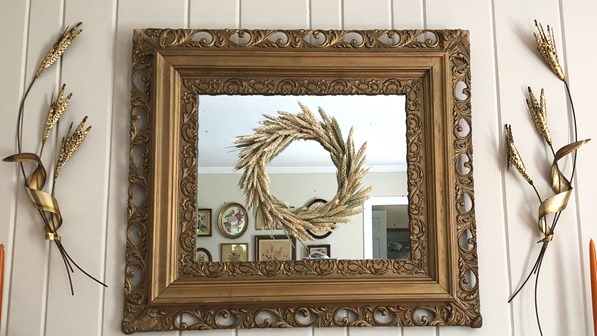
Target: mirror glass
[{"x": 304, "y": 172}]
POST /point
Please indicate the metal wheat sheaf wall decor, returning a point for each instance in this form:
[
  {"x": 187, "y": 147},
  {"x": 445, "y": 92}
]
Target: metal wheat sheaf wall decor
[
  {"x": 551, "y": 207},
  {"x": 35, "y": 183},
  {"x": 166, "y": 289}
]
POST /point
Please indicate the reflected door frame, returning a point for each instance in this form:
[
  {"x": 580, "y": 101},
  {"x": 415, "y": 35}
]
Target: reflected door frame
[{"x": 367, "y": 219}]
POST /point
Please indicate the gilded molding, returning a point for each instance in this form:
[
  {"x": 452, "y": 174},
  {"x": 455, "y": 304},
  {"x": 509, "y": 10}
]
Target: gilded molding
[{"x": 140, "y": 314}]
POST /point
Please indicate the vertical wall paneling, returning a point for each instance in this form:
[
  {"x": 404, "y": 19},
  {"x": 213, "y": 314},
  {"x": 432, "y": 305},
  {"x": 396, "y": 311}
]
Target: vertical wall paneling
[
  {"x": 367, "y": 15},
  {"x": 14, "y": 18},
  {"x": 214, "y": 14},
  {"x": 131, "y": 14},
  {"x": 28, "y": 290},
  {"x": 370, "y": 15},
  {"x": 82, "y": 186},
  {"x": 271, "y": 14},
  {"x": 476, "y": 16},
  {"x": 407, "y": 14},
  {"x": 579, "y": 56},
  {"x": 520, "y": 66},
  {"x": 326, "y": 14},
  {"x": 92, "y": 191}
]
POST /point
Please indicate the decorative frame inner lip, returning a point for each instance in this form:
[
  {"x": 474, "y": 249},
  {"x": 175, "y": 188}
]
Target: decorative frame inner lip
[{"x": 171, "y": 68}]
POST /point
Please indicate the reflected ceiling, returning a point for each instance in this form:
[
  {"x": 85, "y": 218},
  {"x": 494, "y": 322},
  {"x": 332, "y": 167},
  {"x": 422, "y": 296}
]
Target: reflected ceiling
[{"x": 378, "y": 120}]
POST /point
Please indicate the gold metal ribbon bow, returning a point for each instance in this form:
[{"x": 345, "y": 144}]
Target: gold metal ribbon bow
[
  {"x": 43, "y": 201},
  {"x": 562, "y": 187}
]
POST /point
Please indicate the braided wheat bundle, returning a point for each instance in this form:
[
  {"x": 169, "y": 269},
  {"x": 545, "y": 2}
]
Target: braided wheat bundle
[{"x": 269, "y": 140}]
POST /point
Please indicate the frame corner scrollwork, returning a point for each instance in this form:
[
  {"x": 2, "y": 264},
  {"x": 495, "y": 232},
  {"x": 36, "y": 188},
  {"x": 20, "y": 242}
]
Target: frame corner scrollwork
[{"x": 164, "y": 285}]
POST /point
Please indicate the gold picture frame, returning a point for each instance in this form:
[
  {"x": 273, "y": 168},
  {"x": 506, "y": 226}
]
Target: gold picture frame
[
  {"x": 233, "y": 220},
  {"x": 234, "y": 252},
  {"x": 203, "y": 255},
  {"x": 203, "y": 222},
  {"x": 274, "y": 248},
  {"x": 165, "y": 289},
  {"x": 325, "y": 251}
]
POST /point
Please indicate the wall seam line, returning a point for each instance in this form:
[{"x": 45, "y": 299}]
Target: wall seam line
[
  {"x": 12, "y": 239},
  {"x": 48, "y": 268},
  {"x": 104, "y": 267},
  {"x": 187, "y": 9},
  {"x": 501, "y": 149},
  {"x": 310, "y": 14},
  {"x": 342, "y": 14},
  {"x": 391, "y": 13},
  {"x": 581, "y": 259},
  {"x": 239, "y": 13},
  {"x": 424, "y": 12}
]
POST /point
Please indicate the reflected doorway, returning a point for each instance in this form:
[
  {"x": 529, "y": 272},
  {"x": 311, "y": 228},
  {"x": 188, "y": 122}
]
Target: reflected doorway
[{"x": 386, "y": 228}]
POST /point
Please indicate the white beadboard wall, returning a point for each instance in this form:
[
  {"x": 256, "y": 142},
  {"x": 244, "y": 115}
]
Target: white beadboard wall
[{"x": 92, "y": 191}]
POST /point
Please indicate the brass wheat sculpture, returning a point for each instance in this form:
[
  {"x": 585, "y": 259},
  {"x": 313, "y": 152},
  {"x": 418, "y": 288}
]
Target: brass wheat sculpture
[
  {"x": 45, "y": 203},
  {"x": 551, "y": 208}
]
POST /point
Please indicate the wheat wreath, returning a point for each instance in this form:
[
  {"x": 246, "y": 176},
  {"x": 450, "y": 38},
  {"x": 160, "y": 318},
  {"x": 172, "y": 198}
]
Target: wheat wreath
[{"x": 269, "y": 140}]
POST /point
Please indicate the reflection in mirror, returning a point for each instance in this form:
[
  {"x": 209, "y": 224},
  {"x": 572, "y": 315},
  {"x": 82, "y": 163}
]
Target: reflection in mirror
[
  {"x": 303, "y": 172},
  {"x": 387, "y": 225}
]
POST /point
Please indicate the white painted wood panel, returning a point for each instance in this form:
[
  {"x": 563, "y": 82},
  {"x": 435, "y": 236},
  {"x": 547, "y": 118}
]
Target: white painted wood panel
[
  {"x": 519, "y": 66},
  {"x": 504, "y": 61},
  {"x": 476, "y": 16},
  {"x": 214, "y": 14},
  {"x": 325, "y": 14},
  {"x": 579, "y": 58},
  {"x": 87, "y": 70},
  {"x": 271, "y": 14},
  {"x": 14, "y": 20},
  {"x": 407, "y": 14},
  {"x": 131, "y": 14},
  {"x": 28, "y": 291},
  {"x": 330, "y": 332},
  {"x": 369, "y": 14}
]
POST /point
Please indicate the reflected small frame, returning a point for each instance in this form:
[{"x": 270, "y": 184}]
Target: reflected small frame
[
  {"x": 321, "y": 251},
  {"x": 203, "y": 222},
  {"x": 233, "y": 220},
  {"x": 274, "y": 248},
  {"x": 234, "y": 252},
  {"x": 203, "y": 255}
]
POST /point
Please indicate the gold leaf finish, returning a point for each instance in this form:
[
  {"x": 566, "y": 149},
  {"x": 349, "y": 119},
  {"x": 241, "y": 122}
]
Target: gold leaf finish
[
  {"x": 59, "y": 47},
  {"x": 538, "y": 112},
  {"x": 70, "y": 144},
  {"x": 547, "y": 47},
  {"x": 162, "y": 280},
  {"x": 55, "y": 111},
  {"x": 513, "y": 157}
]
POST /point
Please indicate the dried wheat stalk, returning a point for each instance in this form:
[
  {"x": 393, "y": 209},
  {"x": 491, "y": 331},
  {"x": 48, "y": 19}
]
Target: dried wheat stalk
[{"x": 269, "y": 140}]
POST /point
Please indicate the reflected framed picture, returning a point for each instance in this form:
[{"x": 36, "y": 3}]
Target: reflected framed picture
[
  {"x": 234, "y": 252},
  {"x": 202, "y": 255},
  {"x": 398, "y": 243},
  {"x": 233, "y": 220},
  {"x": 323, "y": 251},
  {"x": 260, "y": 225},
  {"x": 204, "y": 222},
  {"x": 277, "y": 247}
]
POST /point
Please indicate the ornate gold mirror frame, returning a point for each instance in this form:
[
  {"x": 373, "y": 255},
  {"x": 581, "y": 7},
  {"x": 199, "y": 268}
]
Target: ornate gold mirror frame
[{"x": 165, "y": 289}]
